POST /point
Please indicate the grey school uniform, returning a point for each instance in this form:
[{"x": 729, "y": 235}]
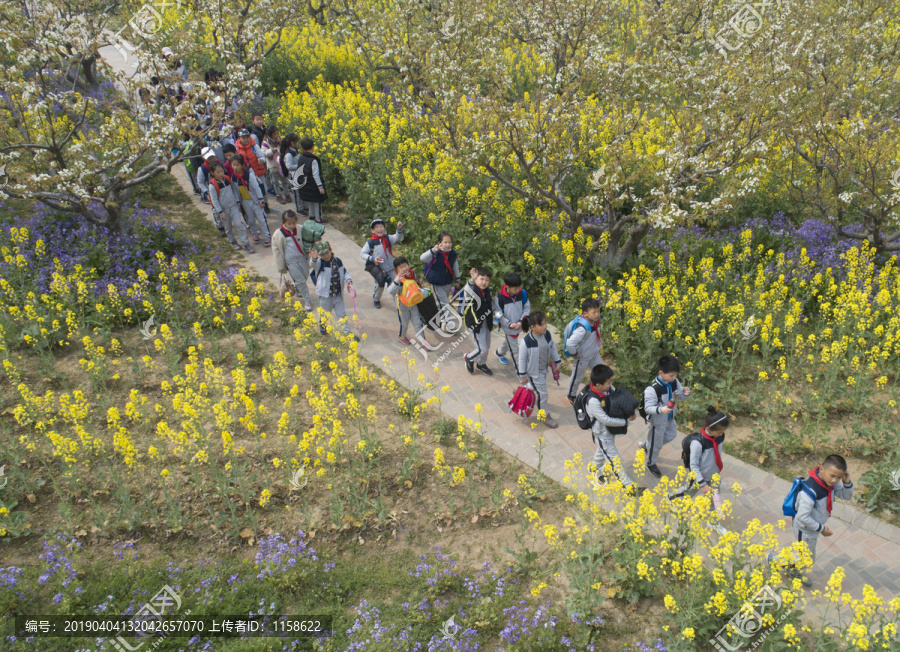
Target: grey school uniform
[
  {"x": 331, "y": 298},
  {"x": 225, "y": 200},
  {"x": 606, "y": 442},
  {"x": 383, "y": 272},
  {"x": 512, "y": 310},
  {"x": 813, "y": 514},
  {"x": 291, "y": 260},
  {"x": 663, "y": 428},
  {"x": 406, "y": 314},
  {"x": 586, "y": 346},
  {"x": 703, "y": 461},
  {"x": 256, "y": 217},
  {"x": 535, "y": 355},
  {"x": 442, "y": 293}
]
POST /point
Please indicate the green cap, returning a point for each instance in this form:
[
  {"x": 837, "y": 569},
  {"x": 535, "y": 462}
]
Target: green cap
[{"x": 322, "y": 247}]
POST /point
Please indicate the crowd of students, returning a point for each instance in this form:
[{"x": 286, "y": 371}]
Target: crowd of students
[{"x": 242, "y": 165}]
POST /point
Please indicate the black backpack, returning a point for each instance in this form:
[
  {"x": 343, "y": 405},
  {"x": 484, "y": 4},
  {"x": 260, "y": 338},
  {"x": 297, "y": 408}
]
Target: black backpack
[
  {"x": 585, "y": 421},
  {"x": 686, "y": 448},
  {"x": 655, "y": 384}
]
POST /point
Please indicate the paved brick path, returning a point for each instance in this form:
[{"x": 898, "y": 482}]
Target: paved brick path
[{"x": 868, "y": 549}]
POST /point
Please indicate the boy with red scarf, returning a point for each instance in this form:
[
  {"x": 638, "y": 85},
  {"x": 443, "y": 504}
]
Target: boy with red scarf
[
  {"x": 596, "y": 406},
  {"x": 706, "y": 451},
  {"x": 584, "y": 343},
  {"x": 407, "y": 314},
  {"x": 379, "y": 256},
  {"x": 478, "y": 313},
  {"x": 513, "y": 306},
  {"x": 831, "y": 480}
]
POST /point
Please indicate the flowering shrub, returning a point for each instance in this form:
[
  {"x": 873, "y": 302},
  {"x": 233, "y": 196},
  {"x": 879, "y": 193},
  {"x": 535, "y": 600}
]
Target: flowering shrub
[{"x": 59, "y": 275}]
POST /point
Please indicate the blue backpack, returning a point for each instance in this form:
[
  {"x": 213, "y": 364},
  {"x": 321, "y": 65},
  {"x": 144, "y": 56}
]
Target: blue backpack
[
  {"x": 570, "y": 327},
  {"x": 790, "y": 502}
]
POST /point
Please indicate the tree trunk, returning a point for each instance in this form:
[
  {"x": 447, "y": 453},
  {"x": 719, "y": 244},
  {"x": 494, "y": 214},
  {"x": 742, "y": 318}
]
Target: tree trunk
[
  {"x": 631, "y": 244},
  {"x": 89, "y": 71}
]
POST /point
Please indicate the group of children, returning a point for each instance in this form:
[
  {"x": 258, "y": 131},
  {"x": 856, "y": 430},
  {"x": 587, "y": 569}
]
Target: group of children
[
  {"x": 255, "y": 162},
  {"x": 534, "y": 354},
  {"x": 234, "y": 185}
]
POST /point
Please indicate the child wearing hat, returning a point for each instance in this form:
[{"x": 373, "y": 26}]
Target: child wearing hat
[
  {"x": 329, "y": 276},
  {"x": 379, "y": 257}
]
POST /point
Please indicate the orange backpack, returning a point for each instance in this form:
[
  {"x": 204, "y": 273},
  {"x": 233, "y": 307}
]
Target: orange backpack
[{"x": 411, "y": 294}]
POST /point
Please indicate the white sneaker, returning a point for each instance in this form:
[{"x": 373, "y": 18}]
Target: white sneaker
[
  {"x": 307, "y": 306},
  {"x": 722, "y": 531}
]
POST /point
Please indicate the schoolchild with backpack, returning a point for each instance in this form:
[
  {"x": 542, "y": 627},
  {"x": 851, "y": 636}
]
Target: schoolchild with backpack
[
  {"x": 442, "y": 269},
  {"x": 659, "y": 408},
  {"x": 289, "y": 160},
  {"x": 809, "y": 502},
  {"x": 405, "y": 288},
  {"x": 701, "y": 452},
  {"x": 226, "y": 200},
  {"x": 513, "y": 306},
  {"x": 310, "y": 186},
  {"x": 329, "y": 276},
  {"x": 252, "y": 199},
  {"x": 290, "y": 256},
  {"x": 379, "y": 256},
  {"x": 478, "y": 316},
  {"x": 536, "y": 354},
  {"x": 591, "y": 405},
  {"x": 582, "y": 342}
]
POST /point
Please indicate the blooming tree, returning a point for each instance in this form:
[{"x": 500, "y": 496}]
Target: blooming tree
[
  {"x": 69, "y": 135},
  {"x": 539, "y": 95},
  {"x": 841, "y": 116},
  {"x": 651, "y": 114}
]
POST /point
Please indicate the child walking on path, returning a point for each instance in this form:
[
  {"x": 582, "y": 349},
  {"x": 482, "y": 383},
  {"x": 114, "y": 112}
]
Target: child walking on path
[
  {"x": 289, "y": 161},
  {"x": 478, "y": 316},
  {"x": 405, "y": 313},
  {"x": 665, "y": 390},
  {"x": 252, "y": 199},
  {"x": 596, "y": 406},
  {"x": 706, "y": 452},
  {"x": 223, "y": 195},
  {"x": 814, "y": 502},
  {"x": 271, "y": 148},
  {"x": 329, "y": 276},
  {"x": 250, "y": 151},
  {"x": 513, "y": 305},
  {"x": 310, "y": 186},
  {"x": 379, "y": 257},
  {"x": 442, "y": 269},
  {"x": 534, "y": 356},
  {"x": 290, "y": 257},
  {"x": 583, "y": 343}
]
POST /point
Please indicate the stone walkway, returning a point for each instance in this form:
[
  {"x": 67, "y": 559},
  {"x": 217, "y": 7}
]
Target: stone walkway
[
  {"x": 868, "y": 549},
  {"x": 863, "y": 545}
]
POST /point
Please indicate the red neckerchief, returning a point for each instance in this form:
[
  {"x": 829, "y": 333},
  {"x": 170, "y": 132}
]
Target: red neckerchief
[
  {"x": 814, "y": 474},
  {"x": 594, "y": 327},
  {"x": 292, "y": 234},
  {"x": 445, "y": 255},
  {"x": 715, "y": 444},
  {"x": 385, "y": 242},
  {"x": 506, "y": 293},
  {"x": 600, "y": 394}
]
